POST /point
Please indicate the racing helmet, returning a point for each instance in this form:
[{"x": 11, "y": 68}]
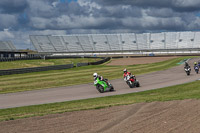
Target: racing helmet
[
  {"x": 195, "y": 63},
  {"x": 95, "y": 75},
  {"x": 125, "y": 70}
]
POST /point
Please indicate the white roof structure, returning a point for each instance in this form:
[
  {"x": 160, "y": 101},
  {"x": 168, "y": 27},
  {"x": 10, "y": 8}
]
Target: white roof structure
[
  {"x": 115, "y": 42},
  {"x": 7, "y": 46}
]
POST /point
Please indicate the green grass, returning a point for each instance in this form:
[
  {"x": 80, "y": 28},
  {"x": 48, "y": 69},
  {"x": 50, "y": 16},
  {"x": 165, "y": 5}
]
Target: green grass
[
  {"x": 41, "y": 62},
  {"x": 58, "y": 78},
  {"x": 178, "y": 92}
]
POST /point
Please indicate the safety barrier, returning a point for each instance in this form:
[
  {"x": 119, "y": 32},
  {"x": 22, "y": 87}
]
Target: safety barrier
[
  {"x": 100, "y": 62},
  {"x": 47, "y": 68},
  {"x": 35, "y": 57},
  {"x": 81, "y": 64},
  {"x": 35, "y": 69}
]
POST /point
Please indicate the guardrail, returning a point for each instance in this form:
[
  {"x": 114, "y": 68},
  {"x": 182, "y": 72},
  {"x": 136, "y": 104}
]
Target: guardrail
[
  {"x": 35, "y": 69},
  {"x": 47, "y": 68},
  {"x": 35, "y": 57},
  {"x": 100, "y": 62}
]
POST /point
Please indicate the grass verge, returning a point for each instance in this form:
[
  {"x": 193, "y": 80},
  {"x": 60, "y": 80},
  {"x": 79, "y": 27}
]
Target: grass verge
[
  {"x": 178, "y": 92},
  {"x": 41, "y": 62},
  {"x": 58, "y": 78}
]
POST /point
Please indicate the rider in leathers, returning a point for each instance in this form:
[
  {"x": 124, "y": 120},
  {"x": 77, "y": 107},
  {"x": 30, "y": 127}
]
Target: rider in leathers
[
  {"x": 95, "y": 75},
  {"x": 186, "y": 65},
  {"x": 127, "y": 73}
]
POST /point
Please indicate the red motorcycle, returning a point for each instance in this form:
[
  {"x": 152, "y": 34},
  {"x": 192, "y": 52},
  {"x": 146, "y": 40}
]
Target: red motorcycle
[{"x": 131, "y": 81}]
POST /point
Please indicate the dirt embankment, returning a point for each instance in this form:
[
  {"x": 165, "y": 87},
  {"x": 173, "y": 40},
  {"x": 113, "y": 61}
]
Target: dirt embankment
[
  {"x": 139, "y": 60},
  {"x": 156, "y": 117}
]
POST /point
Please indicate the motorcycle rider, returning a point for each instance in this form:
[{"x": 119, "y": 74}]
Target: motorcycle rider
[
  {"x": 187, "y": 65},
  {"x": 127, "y": 73},
  {"x": 95, "y": 75},
  {"x": 199, "y": 63},
  {"x": 196, "y": 65}
]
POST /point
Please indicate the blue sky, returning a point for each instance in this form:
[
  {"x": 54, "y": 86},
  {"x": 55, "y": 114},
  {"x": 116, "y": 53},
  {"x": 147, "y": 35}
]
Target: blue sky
[{"x": 21, "y": 18}]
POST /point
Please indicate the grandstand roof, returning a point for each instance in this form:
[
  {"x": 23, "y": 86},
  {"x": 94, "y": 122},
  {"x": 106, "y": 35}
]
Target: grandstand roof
[
  {"x": 115, "y": 42},
  {"x": 7, "y": 46}
]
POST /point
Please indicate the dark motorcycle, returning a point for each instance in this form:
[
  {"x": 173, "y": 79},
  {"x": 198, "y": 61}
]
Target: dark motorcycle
[
  {"x": 196, "y": 68},
  {"x": 131, "y": 81},
  {"x": 187, "y": 70}
]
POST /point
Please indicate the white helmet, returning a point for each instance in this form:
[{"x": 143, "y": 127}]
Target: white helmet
[
  {"x": 95, "y": 75},
  {"x": 125, "y": 70}
]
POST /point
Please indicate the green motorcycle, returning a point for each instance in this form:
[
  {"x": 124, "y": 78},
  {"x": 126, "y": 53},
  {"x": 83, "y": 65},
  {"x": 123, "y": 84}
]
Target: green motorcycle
[{"x": 102, "y": 86}]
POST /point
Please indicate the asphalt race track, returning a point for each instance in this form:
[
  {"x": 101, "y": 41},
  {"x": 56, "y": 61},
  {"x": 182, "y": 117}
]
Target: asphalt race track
[{"x": 173, "y": 76}]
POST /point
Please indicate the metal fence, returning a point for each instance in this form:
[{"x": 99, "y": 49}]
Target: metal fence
[
  {"x": 35, "y": 69},
  {"x": 47, "y": 68}
]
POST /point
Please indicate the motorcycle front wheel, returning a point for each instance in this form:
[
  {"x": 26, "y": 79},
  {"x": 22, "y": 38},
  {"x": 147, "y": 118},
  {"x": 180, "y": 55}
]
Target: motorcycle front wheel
[
  {"x": 131, "y": 85},
  {"x": 138, "y": 84},
  {"x": 100, "y": 89},
  {"x": 111, "y": 87},
  {"x": 188, "y": 73},
  {"x": 197, "y": 71}
]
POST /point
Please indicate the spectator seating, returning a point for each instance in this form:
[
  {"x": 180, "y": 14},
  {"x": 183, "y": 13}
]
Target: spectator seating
[
  {"x": 115, "y": 42},
  {"x": 185, "y": 39},
  {"x": 171, "y": 40},
  {"x": 157, "y": 41},
  {"x": 7, "y": 46}
]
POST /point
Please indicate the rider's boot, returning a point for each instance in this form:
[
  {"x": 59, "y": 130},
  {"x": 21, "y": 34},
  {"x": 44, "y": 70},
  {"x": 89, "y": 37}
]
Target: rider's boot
[{"x": 107, "y": 83}]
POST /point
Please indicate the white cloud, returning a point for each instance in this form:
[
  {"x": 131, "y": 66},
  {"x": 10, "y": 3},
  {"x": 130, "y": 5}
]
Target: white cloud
[
  {"x": 186, "y": 3},
  {"x": 39, "y": 23},
  {"x": 194, "y": 24},
  {"x": 7, "y": 21},
  {"x": 54, "y": 4},
  {"x": 6, "y": 34},
  {"x": 88, "y": 3}
]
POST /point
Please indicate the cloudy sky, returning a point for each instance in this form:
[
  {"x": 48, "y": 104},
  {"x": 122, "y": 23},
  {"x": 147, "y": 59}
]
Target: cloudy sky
[{"x": 21, "y": 18}]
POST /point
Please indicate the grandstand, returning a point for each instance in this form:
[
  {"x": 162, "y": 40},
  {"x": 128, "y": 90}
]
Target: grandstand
[
  {"x": 6, "y": 49},
  {"x": 9, "y": 51},
  {"x": 117, "y": 43},
  {"x": 7, "y": 46}
]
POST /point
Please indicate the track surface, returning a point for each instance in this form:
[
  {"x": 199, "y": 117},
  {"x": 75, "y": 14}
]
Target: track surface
[
  {"x": 181, "y": 116},
  {"x": 150, "y": 81}
]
